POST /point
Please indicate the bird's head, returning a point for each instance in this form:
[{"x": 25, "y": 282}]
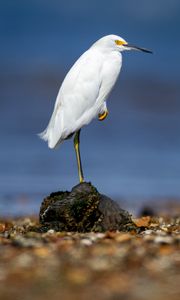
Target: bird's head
[{"x": 115, "y": 42}]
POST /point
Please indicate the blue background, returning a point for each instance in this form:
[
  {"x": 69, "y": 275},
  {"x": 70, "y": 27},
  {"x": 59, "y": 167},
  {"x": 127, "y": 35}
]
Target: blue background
[{"x": 135, "y": 152}]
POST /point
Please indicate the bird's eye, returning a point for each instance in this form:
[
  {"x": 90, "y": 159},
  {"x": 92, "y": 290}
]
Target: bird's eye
[{"x": 120, "y": 42}]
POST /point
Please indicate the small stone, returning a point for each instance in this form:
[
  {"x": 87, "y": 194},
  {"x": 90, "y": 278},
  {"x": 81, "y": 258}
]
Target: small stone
[
  {"x": 86, "y": 242},
  {"x": 142, "y": 222},
  {"x": 51, "y": 231},
  {"x": 2, "y": 227},
  {"x": 148, "y": 231},
  {"x": 123, "y": 237},
  {"x": 163, "y": 239},
  {"x": 100, "y": 235}
]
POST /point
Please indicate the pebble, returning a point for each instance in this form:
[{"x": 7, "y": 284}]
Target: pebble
[
  {"x": 2, "y": 227},
  {"x": 148, "y": 231},
  {"x": 163, "y": 239},
  {"x": 51, "y": 231},
  {"x": 86, "y": 242}
]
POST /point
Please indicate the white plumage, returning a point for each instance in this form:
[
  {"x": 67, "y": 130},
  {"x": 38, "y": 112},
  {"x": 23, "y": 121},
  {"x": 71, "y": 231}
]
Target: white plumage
[{"x": 84, "y": 91}]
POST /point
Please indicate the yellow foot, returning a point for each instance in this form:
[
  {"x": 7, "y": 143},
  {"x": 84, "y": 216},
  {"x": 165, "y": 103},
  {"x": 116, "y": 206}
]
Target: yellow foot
[
  {"x": 81, "y": 179},
  {"x": 103, "y": 116}
]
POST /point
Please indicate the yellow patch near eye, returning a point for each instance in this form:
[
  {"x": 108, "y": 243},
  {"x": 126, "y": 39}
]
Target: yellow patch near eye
[{"x": 120, "y": 42}]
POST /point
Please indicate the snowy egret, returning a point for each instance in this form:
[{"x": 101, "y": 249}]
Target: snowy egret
[{"x": 84, "y": 91}]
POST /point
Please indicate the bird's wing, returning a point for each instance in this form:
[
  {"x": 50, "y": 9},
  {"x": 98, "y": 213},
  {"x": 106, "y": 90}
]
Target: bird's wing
[
  {"x": 82, "y": 83},
  {"x": 76, "y": 98},
  {"x": 82, "y": 93}
]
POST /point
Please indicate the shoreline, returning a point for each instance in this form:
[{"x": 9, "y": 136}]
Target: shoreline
[{"x": 24, "y": 205}]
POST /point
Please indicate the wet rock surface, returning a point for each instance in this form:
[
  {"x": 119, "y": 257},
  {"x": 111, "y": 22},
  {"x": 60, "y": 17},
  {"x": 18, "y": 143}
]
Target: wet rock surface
[{"x": 83, "y": 209}]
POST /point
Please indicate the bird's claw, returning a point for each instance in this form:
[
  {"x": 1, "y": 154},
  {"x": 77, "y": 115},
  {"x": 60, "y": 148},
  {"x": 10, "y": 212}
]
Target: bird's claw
[{"x": 103, "y": 116}]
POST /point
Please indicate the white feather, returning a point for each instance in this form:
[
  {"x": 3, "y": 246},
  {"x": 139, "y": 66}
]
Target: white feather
[{"x": 84, "y": 91}]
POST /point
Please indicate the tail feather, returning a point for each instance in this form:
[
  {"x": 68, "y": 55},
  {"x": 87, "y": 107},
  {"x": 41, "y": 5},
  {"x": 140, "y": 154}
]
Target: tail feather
[
  {"x": 43, "y": 135},
  {"x": 46, "y": 136},
  {"x": 55, "y": 133}
]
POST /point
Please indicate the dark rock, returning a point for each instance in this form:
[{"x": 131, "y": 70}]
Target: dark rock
[
  {"x": 147, "y": 211},
  {"x": 83, "y": 209}
]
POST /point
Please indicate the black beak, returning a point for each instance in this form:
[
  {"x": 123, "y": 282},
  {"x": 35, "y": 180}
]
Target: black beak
[{"x": 137, "y": 48}]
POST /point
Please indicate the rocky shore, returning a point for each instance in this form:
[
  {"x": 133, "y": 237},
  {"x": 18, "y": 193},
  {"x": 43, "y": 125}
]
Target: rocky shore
[{"x": 138, "y": 264}]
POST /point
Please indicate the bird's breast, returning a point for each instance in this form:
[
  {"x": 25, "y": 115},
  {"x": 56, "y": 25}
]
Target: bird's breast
[
  {"x": 111, "y": 67},
  {"x": 109, "y": 74}
]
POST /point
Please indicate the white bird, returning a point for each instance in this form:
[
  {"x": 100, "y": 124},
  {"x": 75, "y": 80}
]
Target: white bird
[{"x": 84, "y": 91}]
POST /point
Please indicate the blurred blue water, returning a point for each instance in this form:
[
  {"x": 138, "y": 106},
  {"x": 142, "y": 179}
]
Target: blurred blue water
[
  {"x": 41, "y": 33},
  {"x": 135, "y": 153}
]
